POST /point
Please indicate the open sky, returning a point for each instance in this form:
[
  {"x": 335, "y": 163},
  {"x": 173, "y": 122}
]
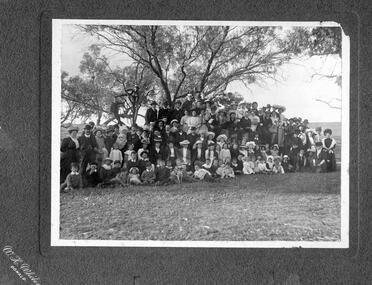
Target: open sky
[{"x": 297, "y": 89}]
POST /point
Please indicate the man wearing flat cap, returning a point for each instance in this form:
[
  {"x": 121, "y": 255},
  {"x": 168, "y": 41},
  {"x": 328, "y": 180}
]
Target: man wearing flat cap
[
  {"x": 88, "y": 149},
  {"x": 152, "y": 113}
]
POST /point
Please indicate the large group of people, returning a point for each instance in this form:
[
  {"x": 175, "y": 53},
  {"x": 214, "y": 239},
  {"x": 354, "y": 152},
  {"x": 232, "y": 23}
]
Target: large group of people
[{"x": 195, "y": 140}]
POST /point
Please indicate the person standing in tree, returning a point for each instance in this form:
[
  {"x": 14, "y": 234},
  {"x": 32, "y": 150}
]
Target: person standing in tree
[
  {"x": 114, "y": 108},
  {"x": 188, "y": 104},
  {"x": 165, "y": 112},
  {"x": 151, "y": 113},
  {"x": 176, "y": 113}
]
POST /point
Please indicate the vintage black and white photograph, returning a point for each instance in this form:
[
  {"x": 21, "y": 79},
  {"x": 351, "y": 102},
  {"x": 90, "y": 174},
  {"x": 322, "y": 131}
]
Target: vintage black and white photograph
[{"x": 200, "y": 134}]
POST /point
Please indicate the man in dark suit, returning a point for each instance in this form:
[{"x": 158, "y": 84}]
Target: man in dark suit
[
  {"x": 156, "y": 152},
  {"x": 187, "y": 105},
  {"x": 151, "y": 113},
  {"x": 192, "y": 137},
  {"x": 179, "y": 136},
  {"x": 176, "y": 113},
  {"x": 165, "y": 112},
  {"x": 88, "y": 149}
]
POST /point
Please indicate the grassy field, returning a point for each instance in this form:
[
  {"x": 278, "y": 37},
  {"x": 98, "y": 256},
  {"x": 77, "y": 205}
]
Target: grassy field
[{"x": 298, "y": 206}]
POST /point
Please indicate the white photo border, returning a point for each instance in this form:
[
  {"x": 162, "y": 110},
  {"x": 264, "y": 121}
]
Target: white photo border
[{"x": 55, "y": 137}]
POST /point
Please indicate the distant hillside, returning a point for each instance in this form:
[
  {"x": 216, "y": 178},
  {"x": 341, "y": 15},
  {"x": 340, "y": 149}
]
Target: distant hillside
[{"x": 334, "y": 126}]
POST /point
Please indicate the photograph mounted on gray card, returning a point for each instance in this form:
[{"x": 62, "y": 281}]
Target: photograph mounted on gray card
[{"x": 200, "y": 134}]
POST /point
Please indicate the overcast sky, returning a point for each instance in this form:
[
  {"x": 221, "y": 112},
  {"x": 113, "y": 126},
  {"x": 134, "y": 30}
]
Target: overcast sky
[{"x": 296, "y": 89}]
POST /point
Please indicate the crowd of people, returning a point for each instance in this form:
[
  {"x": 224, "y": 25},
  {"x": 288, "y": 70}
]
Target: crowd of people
[{"x": 195, "y": 140}]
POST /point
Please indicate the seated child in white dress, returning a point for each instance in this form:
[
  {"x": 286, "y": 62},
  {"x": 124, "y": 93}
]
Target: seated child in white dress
[{"x": 248, "y": 165}]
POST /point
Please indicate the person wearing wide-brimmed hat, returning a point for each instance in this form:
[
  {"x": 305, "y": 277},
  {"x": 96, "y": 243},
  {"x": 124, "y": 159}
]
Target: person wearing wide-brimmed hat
[
  {"x": 197, "y": 152},
  {"x": 110, "y": 137},
  {"x": 287, "y": 165},
  {"x": 329, "y": 144},
  {"x": 88, "y": 149},
  {"x": 274, "y": 151},
  {"x": 145, "y": 146},
  {"x": 208, "y": 137},
  {"x": 143, "y": 157},
  {"x": 69, "y": 152},
  {"x": 134, "y": 176},
  {"x": 170, "y": 152},
  {"x": 179, "y": 136},
  {"x": 156, "y": 151},
  {"x": 210, "y": 152},
  {"x": 152, "y": 113},
  {"x": 184, "y": 152},
  {"x": 192, "y": 137},
  {"x": 105, "y": 172}
]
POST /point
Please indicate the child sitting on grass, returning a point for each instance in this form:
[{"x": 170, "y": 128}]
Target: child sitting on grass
[
  {"x": 92, "y": 174},
  {"x": 148, "y": 175},
  {"x": 207, "y": 165},
  {"x": 163, "y": 173},
  {"x": 236, "y": 166},
  {"x": 121, "y": 179},
  {"x": 225, "y": 170},
  {"x": 214, "y": 167},
  {"x": 201, "y": 173},
  {"x": 170, "y": 164},
  {"x": 105, "y": 172},
  {"x": 116, "y": 168},
  {"x": 179, "y": 173},
  {"x": 277, "y": 168},
  {"x": 260, "y": 167},
  {"x": 301, "y": 161},
  {"x": 73, "y": 179},
  {"x": 287, "y": 166},
  {"x": 225, "y": 153},
  {"x": 134, "y": 177},
  {"x": 269, "y": 164},
  {"x": 248, "y": 165}
]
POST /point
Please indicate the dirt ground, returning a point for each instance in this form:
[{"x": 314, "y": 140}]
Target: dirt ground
[{"x": 296, "y": 206}]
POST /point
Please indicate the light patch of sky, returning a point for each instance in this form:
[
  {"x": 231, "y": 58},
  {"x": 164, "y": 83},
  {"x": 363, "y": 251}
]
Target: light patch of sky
[{"x": 297, "y": 89}]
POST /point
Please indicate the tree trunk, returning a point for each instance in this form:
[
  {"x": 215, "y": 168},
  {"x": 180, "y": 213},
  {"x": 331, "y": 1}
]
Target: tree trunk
[
  {"x": 99, "y": 118},
  {"x": 134, "y": 115}
]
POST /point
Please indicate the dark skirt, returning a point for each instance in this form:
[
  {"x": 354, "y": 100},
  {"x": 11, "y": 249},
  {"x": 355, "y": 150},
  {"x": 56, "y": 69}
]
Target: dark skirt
[{"x": 67, "y": 158}]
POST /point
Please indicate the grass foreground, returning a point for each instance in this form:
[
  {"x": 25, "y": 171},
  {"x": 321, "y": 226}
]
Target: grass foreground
[{"x": 290, "y": 207}]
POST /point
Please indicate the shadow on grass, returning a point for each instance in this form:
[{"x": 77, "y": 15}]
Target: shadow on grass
[{"x": 327, "y": 183}]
